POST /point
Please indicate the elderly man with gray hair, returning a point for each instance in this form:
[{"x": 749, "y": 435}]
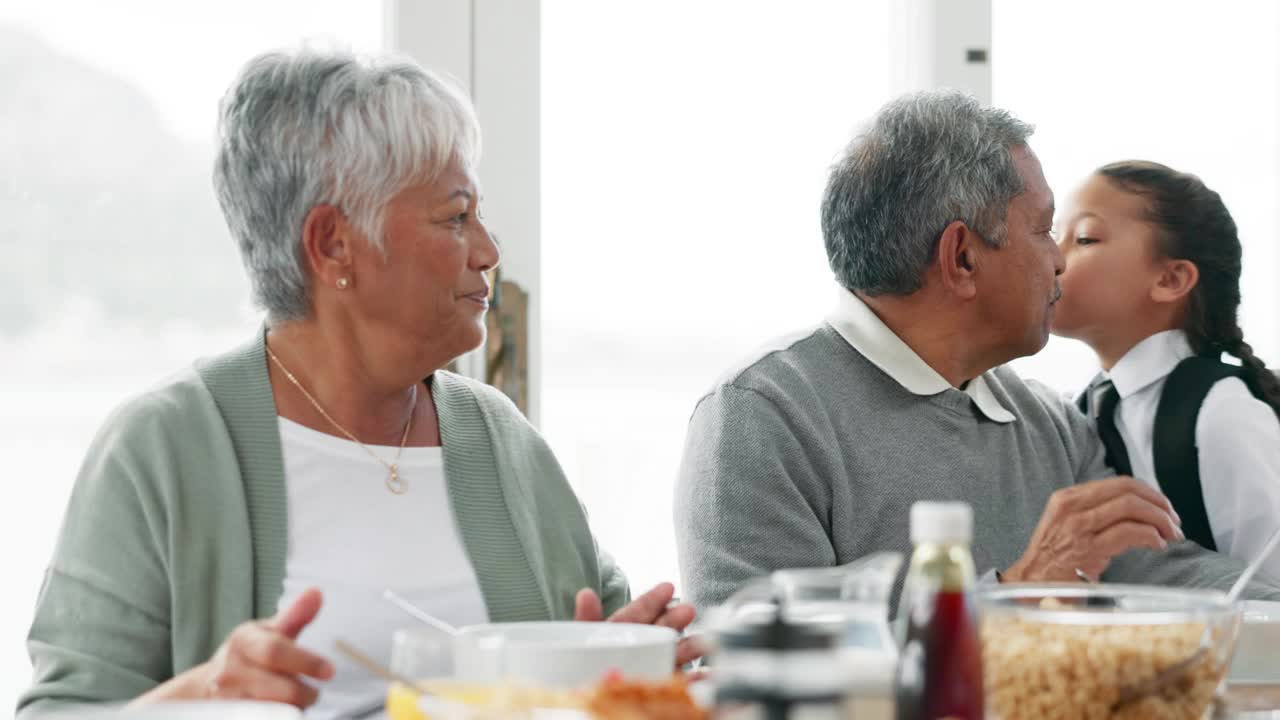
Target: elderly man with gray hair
[{"x": 938, "y": 227}]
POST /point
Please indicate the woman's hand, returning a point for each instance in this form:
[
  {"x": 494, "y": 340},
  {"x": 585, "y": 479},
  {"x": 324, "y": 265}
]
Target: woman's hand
[
  {"x": 651, "y": 608},
  {"x": 260, "y": 660}
]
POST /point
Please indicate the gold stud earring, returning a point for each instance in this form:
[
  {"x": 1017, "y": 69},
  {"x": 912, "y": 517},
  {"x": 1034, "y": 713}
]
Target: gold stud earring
[{"x": 343, "y": 283}]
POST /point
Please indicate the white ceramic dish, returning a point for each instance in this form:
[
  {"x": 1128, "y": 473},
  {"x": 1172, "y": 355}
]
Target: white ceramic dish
[
  {"x": 1257, "y": 658},
  {"x": 563, "y": 654},
  {"x": 201, "y": 710}
]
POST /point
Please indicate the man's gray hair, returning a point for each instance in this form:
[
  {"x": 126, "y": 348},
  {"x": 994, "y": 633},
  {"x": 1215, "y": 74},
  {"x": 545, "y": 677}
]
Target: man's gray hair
[
  {"x": 925, "y": 160},
  {"x": 309, "y": 128}
]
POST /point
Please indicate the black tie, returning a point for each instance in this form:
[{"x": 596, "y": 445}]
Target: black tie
[{"x": 1117, "y": 455}]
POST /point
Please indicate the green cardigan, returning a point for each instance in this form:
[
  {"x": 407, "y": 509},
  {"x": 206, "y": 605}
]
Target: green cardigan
[{"x": 176, "y": 529}]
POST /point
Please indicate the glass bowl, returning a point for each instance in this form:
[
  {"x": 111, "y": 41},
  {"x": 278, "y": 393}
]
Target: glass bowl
[{"x": 1065, "y": 651}]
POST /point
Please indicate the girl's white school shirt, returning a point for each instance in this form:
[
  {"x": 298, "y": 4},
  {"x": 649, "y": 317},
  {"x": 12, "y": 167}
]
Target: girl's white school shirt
[{"x": 1237, "y": 436}]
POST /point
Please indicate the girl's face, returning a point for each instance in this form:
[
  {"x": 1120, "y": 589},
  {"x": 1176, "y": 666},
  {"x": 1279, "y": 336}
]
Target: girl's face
[{"x": 1113, "y": 265}]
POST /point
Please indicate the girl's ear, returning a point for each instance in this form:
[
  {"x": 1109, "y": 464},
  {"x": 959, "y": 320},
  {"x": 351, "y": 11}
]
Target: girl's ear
[{"x": 1177, "y": 280}]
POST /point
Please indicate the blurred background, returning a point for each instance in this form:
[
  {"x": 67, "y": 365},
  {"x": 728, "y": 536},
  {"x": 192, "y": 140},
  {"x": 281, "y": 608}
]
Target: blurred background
[{"x": 654, "y": 167}]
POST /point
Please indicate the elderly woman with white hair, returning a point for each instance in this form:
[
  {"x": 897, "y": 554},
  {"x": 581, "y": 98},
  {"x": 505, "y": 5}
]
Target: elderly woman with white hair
[{"x": 229, "y": 525}]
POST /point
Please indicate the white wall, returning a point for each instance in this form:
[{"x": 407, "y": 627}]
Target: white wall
[{"x": 930, "y": 41}]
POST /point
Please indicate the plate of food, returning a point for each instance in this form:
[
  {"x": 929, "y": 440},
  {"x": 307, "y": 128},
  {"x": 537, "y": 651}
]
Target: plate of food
[{"x": 612, "y": 698}]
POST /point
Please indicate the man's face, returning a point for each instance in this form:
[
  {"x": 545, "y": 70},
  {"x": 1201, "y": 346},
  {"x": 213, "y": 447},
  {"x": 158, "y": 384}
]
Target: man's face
[{"x": 1017, "y": 283}]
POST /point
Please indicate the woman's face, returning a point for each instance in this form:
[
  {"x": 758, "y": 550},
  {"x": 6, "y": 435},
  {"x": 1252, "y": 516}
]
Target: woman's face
[
  {"x": 1112, "y": 262},
  {"x": 429, "y": 295}
]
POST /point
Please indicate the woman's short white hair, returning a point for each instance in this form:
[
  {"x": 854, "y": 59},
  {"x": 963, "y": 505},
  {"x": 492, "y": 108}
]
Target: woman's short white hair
[{"x": 309, "y": 128}]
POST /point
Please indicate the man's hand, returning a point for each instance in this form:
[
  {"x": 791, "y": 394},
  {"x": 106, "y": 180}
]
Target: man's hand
[
  {"x": 1087, "y": 525},
  {"x": 650, "y": 608}
]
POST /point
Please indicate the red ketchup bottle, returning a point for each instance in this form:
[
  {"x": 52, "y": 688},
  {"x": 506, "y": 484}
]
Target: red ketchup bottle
[{"x": 939, "y": 674}]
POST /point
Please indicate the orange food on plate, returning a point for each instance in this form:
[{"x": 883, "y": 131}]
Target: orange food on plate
[{"x": 619, "y": 699}]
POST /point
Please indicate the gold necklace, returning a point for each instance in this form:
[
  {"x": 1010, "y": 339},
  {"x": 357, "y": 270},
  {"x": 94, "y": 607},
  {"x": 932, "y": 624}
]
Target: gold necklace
[{"x": 394, "y": 482}]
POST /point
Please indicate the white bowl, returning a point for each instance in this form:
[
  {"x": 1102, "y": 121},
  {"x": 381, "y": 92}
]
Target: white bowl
[
  {"x": 563, "y": 654},
  {"x": 1257, "y": 658}
]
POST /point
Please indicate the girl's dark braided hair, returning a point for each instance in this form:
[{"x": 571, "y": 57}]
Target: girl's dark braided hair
[{"x": 1194, "y": 225}]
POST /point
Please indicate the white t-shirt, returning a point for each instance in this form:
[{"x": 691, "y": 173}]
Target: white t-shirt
[{"x": 352, "y": 538}]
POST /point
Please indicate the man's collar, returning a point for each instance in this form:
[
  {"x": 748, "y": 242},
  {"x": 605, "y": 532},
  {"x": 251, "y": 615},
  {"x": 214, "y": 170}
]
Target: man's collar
[{"x": 867, "y": 333}]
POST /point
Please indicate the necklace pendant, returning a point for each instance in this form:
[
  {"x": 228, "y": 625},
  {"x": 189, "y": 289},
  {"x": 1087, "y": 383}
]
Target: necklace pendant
[{"x": 395, "y": 484}]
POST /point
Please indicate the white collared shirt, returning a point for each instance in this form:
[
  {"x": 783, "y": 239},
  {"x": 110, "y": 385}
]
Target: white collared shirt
[
  {"x": 1237, "y": 436},
  {"x": 867, "y": 333}
]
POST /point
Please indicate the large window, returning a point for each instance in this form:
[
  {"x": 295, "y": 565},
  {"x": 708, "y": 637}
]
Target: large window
[
  {"x": 684, "y": 150},
  {"x": 1190, "y": 84},
  {"x": 118, "y": 268},
  {"x": 685, "y": 147}
]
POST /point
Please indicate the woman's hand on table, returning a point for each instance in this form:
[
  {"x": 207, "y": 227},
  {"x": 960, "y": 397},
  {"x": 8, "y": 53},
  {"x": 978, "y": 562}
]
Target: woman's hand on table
[
  {"x": 651, "y": 608},
  {"x": 259, "y": 660}
]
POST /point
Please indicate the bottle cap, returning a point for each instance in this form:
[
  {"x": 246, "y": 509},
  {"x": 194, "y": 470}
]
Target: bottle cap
[{"x": 949, "y": 523}]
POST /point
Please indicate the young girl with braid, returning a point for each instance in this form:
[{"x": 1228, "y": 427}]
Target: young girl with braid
[{"x": 1152, "y": 284}]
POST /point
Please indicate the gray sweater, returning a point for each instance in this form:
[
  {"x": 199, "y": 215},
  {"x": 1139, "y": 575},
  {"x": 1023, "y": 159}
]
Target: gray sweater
[{"x": 811, "y": 456}]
